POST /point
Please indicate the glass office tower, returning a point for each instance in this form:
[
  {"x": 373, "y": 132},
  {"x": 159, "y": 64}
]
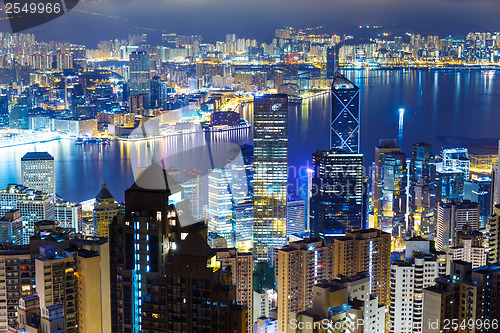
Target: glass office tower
[
  {"x": 337, "y": 192},
  {"x": 139, "y": 83},
  {"x": 270, "y": 174},
  {"x": 393, "y": 193},
  {"x": 344, "y": 122},
  {"x": 422, "y": 192}
]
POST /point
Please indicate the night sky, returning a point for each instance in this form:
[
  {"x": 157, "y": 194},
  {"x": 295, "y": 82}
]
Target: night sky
[{"x": 259, "y": 18}]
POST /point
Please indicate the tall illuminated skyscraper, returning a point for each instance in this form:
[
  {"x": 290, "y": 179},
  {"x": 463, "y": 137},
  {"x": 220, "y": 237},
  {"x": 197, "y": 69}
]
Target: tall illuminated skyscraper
[
  {"x": 270, "y": 174},
  {"x": 139, "y": 76},
  {"x": 38, "y": 173},
  {"x": 240, "y": 264},
  {"x": 385, "y": 146},
  {"x": 408, "y": 279},
  {"x": 296, "y": 216},
  {"x": 337, "y": 200},
  {"x": 393, "y": 199},
  {"x": 331, "y": 61},
  {"x": 243, "y": 224},
  {"x": 494, "y": 239},
  {"x": 421, "y": 197},
  {"x": 191, "y": 190},
  {"x": 220, "y": 205},
  {"x": 344, "y": 121}
]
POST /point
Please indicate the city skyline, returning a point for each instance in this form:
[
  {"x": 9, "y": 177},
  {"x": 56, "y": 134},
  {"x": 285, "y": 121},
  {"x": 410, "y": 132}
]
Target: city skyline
[
  {"x": 107, "y": 18},
  {"x": 206, "y": 167}
]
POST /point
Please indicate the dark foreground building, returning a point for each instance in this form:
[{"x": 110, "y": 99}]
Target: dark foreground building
[
  {"x": 194, "y": 295},
  {"x": 158, "y": 282}
]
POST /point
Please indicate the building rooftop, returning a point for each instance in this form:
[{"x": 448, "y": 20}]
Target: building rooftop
[
  {"x": 14, "y": 249},
  {"x": 104, "y": 193},
  {"x": 87, "y": 254},
  {"x": 54, "y": 306},
  {"x": 155, "y": 179},
  {"x": 29, "y": 298},
  {"x": 34, "y": 156},
  {"x": 340, "y": 82},
  {"x": 194, "y": 245}
]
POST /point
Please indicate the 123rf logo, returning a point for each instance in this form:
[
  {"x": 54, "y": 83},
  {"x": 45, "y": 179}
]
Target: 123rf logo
[{"x": 25, "y": 14}]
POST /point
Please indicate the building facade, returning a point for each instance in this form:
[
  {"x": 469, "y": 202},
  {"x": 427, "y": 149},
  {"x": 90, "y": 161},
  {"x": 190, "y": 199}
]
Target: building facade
[
  {"x": 17, "y": 275},
  {"x": 408, "y": 279},
  {"x": 451, "y": 218},
  {"x": 105, "y": 209},
  {"x": 369, "y": 251},
  {"x": 270, "y": 174},
  {"x": 345, "y": 116},
  {"x": 299, "y": 266},
  {"x": 337, "y": 203},
  {"x": 421, "y": 198},
  {"x": 38, "y": 172}
]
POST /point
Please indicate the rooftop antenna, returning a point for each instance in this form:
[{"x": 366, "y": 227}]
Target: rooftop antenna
[{"x": 338, "y": 59}]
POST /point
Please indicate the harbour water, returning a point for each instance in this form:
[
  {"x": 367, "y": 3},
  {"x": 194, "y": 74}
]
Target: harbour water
[{"x": 461, "y": 103}]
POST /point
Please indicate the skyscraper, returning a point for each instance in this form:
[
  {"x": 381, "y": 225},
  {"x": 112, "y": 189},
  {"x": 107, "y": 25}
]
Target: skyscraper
[
  {"x": 243, "y": 224},
  {"x": 480, "y": 190},
  {"x": 139, "y": 76},
  {"x": 69, "y": 215},
  {"x": 345, "y": 121},
  {"x": 220, "y": 205},
  {"x": 18, "y": 267},
  {"x": 331, "y": 61},
  {"x": 295, "y": 216},
  {"x": 270, "y": 174},
  {"x": 385, "y": 146},
  {"x": 393, "y": 199},
  {"x": 140, "y": 238},
  {"x": 92, "y": 282},
  {"x": 465, "y": 296},
  {"x": 4, "y": 110},
  {"x": 466, "y": 250},
  {"x": 337, "y": 199},
  {"x": 38, "y": 172},
  {"x": 421, "y": 196},
  {"x": 11, "y": 228},
  {"x": 55, "y": 275},
  {"x": 192, "y": 191},
  {"x": 345, "y": 305},
  {"x": 240, "y": 266},
  {"x": 494, "y": 239},
  {"x": 194, "y": 295}
]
